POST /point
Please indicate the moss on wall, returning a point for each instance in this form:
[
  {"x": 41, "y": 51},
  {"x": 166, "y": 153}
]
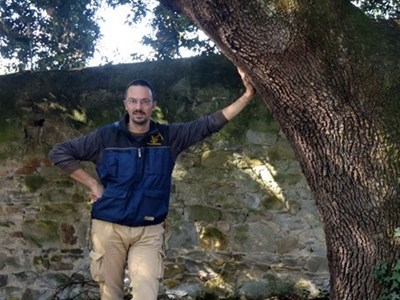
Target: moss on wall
[
  {"x": 34, "y": 182},
  {"x": 41, "y": 233}
]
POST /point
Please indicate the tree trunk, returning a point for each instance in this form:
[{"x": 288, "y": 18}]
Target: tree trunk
[{"x": 331, "y": 78}]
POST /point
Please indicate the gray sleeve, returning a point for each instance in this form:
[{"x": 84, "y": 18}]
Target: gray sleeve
[
  {"x": 69, "y": 154},
  {"x": 183, "y": 135}
]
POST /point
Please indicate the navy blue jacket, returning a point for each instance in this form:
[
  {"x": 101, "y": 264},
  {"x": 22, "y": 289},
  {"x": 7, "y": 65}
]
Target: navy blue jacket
[{"x": 134, "y": 170}]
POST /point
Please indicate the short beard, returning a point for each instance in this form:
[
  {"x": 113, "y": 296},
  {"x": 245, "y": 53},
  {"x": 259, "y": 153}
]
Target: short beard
[
  {"x": 140, "y": 122},
  {"x": 144, "y": 121}
]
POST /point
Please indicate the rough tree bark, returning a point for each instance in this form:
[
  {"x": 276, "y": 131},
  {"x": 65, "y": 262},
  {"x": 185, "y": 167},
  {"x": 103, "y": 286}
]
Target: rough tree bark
[{"x": 331, "y": 77}]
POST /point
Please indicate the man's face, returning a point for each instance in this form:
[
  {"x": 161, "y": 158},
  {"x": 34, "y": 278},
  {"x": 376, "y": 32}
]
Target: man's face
[{"x": 139, "y": 104}]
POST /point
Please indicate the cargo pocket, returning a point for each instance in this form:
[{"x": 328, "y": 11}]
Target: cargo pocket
[
  {"x": 96, "y": 266},
  {"x": 161, "y": 265}
]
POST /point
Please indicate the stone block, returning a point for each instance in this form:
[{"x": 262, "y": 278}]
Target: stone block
[
  {"x": 41, "y": 233},
  {"x": 317, "y": 264},
  {"x": 203, "y": 213}
]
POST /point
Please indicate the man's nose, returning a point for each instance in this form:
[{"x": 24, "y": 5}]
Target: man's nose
[{"x": 139, "y": 104}]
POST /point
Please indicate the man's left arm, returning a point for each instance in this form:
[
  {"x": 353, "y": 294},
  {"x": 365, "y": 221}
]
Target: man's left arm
[
  {"x": 183, "y": 135},
  {"x": 236, "y": 107}
]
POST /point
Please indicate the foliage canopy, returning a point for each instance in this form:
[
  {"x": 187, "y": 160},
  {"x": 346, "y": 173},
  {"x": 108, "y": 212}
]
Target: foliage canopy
[
  {"x": 41, "y": 34},
  {"x": 62, "y": 34}
]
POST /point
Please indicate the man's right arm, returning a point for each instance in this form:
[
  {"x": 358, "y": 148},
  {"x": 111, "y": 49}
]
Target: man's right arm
[
  {"x": 83, "y": 177},
  {"x": 68, "y": 155}
]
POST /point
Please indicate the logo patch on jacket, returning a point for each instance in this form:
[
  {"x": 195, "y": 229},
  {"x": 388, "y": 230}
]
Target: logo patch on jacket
[{"x": 155, "y": 140}]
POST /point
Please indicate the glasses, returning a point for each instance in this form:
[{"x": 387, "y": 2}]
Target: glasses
[{"x": 133, "y": 101}]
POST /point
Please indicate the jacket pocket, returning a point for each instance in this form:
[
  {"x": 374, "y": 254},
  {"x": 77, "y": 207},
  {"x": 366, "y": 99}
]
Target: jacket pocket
[
  {"x": 96, "y": 266},
  {"x": 156, "y": 200},
  {"x": 115, "y": 193},
  {"x": 154, "y": 206},
  {"x": 111, "y": 206}
]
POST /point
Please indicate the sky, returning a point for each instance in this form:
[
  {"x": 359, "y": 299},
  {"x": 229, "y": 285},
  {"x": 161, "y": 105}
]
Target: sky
[{"x": 119, "y": 40}]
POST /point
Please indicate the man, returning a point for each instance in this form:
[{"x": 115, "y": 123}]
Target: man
[{"x": 134, "y": 160}]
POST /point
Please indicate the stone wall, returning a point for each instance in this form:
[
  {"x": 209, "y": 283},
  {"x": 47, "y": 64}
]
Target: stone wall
[{"x": 242, "y": 221}]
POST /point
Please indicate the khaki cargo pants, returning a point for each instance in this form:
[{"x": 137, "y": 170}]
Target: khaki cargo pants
[{"x": 116, "y": 247}]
